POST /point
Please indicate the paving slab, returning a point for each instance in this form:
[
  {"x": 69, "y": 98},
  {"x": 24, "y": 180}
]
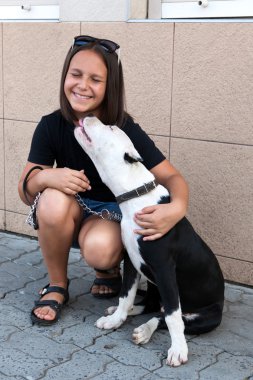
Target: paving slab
[{"x": 74, "y": 349}]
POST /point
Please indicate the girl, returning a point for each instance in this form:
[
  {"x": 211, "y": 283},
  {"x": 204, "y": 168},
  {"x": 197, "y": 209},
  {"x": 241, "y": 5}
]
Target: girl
[{"x": 91, "y": 82}]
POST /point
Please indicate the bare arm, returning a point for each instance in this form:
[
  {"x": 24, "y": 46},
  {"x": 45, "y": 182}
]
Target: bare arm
[
  {"x": 64, "y": 179},
  {"x": 156, "y": 220}
]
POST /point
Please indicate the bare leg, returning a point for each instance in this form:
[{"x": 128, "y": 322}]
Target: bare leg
[
  {"x": 101, "y": 247},
  {"x": 59, "y": 218}
]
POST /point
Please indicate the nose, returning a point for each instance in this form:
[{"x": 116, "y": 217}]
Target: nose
[{"x": 83, "y": 84}]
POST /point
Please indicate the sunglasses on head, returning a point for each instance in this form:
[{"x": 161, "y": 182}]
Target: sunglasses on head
[{"x": 107, "y": 45}]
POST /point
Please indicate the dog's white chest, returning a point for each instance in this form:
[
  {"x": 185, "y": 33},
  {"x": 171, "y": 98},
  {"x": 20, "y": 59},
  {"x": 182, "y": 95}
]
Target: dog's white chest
[{"x": 130, "y": 242}]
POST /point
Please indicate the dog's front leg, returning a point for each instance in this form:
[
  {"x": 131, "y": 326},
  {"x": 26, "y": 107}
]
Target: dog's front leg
[
  {"x": 178, "y": 352},
  {"x": 164, "y": 270},
  {"x": 167, "y": 286},
  {"x": 126, "y": 300}
]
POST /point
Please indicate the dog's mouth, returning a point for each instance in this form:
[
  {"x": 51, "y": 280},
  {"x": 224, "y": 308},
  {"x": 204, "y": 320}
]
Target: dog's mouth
[{"x": 85, "y": 134}]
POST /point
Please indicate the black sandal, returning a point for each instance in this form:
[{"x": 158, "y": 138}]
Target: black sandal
[
  {"x": 54, "y": 305},
  {"x": 113, "y": 283}
]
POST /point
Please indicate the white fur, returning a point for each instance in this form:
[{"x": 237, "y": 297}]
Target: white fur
[
  {"x": 125, "y": 306},
  {"x": 178, "y": 352},
  {"x": 106, "y": 146},
  {"x": 143, "y": 333}
]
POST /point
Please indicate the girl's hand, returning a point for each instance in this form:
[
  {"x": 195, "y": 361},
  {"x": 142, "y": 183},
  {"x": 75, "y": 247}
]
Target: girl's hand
[
  {"x": 67, "y": 180},
  {"x": 155, "y": 221}
]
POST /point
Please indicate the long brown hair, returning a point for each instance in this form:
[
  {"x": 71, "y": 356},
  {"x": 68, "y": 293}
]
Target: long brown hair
[{"x": 113, "y": 106}]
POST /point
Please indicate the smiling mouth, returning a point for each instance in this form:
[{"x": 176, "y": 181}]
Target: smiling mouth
[{"x": 82, "y": 97}]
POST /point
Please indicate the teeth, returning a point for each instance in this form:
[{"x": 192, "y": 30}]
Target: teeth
[{"x": 82, "y": 96}]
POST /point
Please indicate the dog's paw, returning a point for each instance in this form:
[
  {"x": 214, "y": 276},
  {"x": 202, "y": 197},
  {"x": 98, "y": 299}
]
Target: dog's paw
[
  {"x": 109, "y": 322},
  {"x": 177, "y": 355},
  {"x": 110, "y": 310},
  {"x": 142, "y": 334}
]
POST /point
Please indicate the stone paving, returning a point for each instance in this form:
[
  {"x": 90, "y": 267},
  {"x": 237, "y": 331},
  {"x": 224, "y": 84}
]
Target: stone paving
[{"x": 74, "y": 349}]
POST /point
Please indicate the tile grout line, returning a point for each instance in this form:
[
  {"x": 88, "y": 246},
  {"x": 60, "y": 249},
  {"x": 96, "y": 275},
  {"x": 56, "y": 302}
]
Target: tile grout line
[{"x": 171, "y": 95}]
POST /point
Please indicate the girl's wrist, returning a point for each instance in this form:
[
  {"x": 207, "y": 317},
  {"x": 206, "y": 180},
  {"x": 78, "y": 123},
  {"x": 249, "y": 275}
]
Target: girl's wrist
[
  {"x": 42, "y": 177},
  {"x": 180, "y": 208}
]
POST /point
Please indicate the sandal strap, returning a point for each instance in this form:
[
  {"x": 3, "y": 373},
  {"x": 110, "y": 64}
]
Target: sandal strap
[
  {"x": 53, "y": 289},
  {"x": 113, "y": 283},
  {"x": 56, "y": 289},
  {"x": 108, "y": 271},
  {"x": 52, "y": 303}
]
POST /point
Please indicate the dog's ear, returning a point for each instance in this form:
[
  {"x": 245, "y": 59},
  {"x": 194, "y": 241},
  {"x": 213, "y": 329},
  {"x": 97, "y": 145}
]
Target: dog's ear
[{"x": 131, "y": 158}]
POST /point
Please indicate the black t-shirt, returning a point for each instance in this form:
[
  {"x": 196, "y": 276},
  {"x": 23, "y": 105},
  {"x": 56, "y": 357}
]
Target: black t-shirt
[{"x": 54, "y": 142}]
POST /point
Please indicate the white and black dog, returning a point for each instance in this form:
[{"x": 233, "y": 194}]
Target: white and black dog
[{"x": 183, "y": 274}]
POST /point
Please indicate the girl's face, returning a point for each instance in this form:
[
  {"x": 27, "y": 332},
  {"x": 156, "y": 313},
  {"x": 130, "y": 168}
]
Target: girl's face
[{"x": 85, "y": 83}]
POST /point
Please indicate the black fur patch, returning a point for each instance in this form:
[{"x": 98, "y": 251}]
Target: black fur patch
[{"x": 132, "y": 159}]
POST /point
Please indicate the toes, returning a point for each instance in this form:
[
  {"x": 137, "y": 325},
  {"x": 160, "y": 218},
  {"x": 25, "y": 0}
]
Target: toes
[
  {"x": 177, "y": 357},
  {"x": 140, "y": 335},
  {"x": 44, "y": 313},
  {"x": 100, "y": 289}
]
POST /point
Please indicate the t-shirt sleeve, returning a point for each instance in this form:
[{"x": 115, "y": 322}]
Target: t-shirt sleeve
[
  {"x": 41, "y": 151},
  {"x": 145, "y": 146}
]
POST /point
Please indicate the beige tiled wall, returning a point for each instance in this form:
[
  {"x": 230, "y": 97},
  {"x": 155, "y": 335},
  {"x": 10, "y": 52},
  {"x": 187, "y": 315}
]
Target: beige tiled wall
[
  {"x": 213, "y": 82},
  {"x": 212, "y": 136},
  {"x": 33, "y": 59},
  {"x": 2, "y": 182},
  {"x": 146, "y": 52},
  {"x": 2, "y": 204},
  {"x": 220, "y": 177},
  {"x": 188, "y": 85},
  {"x": 1, "y": 74}
]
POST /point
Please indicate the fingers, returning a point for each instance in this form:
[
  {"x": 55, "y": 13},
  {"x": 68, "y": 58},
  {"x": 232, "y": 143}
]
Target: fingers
[
  {"x": 149, "y": 234},
  {"x": 147, "y": 210},
  {"x": 79, "y": 184},
  {"x": 77, "y": 181},
  {"x": 151, "y": 222},
  {"x": 68, "y": 180}
]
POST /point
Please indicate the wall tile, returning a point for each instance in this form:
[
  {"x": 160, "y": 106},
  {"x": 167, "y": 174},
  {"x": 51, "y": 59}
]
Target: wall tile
[
  {"x": 16, "y": 223},
  {"x": 220, "y": 178},
  {"x": 2, "y": 203},
  {"x": 237, "y": 271},
  {"x": 213, "y": 82},
  {"x": 1, "y": 72},
  {"x": 33, "y": 60},
  {"x": 146, "y": 53},
  {"x": 2, "y": 220},
  {"x": 17, "y": 147},
  {"x": 163, "y": 143}
]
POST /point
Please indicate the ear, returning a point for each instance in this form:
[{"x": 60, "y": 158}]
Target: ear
[{"x": 131, "y": 158}]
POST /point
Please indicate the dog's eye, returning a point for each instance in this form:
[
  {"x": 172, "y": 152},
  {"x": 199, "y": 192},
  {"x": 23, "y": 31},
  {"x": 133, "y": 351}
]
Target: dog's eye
[{"x": 131, "y": 159}]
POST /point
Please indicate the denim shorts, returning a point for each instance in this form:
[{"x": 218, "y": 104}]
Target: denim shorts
[{"x": 98, "y": 206}]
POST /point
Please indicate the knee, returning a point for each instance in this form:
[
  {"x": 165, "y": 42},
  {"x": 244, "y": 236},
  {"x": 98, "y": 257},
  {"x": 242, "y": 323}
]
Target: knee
[
  {"x": 54, "y": 207},
  {"x": 103, "y": 251}
]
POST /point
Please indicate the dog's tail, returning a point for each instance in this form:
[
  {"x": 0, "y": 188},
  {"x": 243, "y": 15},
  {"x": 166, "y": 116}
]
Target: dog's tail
[{"x": 204, "y": 320}]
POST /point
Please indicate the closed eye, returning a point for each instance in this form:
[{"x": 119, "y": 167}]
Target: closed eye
[{"x": 97, "y": 80}]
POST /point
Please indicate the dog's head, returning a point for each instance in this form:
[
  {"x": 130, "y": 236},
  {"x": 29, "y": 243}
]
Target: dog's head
[{"x": 110, "y": 149}]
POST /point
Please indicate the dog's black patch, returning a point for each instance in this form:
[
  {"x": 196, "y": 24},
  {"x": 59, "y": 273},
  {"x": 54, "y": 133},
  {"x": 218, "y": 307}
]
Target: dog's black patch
[
  {"x": 164, "y": 200},
  {"x": 132, "y": 159}
]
